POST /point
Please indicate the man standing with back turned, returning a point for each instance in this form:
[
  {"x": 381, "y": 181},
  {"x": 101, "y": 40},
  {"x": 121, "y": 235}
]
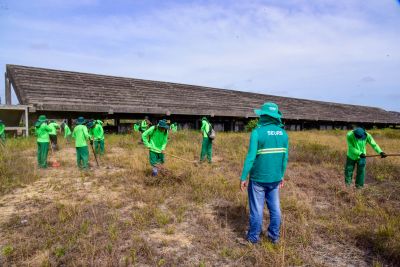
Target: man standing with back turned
[{"x": 266, "y": 162}]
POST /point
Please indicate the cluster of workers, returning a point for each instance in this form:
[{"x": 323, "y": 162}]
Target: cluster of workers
[
  {"x": 84, "y": 131},
  {"x": 154, "y": 137},
  {"x": 263, "y": 169}
]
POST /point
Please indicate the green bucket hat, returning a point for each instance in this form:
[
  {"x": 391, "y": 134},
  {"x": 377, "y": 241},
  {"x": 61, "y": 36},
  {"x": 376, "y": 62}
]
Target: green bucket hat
[
  {"x": 90, "y": 124},
  {"x": 269, "y": 109},
  {"x": 204, "y": 119},
  {"x": 80, "y": 121},
  {"x": 163, "y": 124},
  {"x": 360, "y": 133},
  {"x": 42, "y": 118}
]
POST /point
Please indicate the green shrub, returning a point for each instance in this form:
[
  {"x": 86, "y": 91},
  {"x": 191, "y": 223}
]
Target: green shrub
[
  {"x": 7, "y": 250},
  {"x": 251, "y": 125}
]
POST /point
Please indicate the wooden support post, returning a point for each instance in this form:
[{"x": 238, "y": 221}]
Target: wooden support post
[
  {"x": 7, "y": 89},
  {"x": 26, "y": 122}
]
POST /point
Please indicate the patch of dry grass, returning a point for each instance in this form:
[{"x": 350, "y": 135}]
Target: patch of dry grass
[{"x": 118, "y": 215}]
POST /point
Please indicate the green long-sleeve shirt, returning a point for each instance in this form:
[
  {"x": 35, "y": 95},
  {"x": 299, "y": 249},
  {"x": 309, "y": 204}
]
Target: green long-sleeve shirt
[
  {"x": 42, "y": 131},
  {"x": 2, "y": 128},
  {"x": 268, "y": 153},
  {"x": 67, "y": 131},
  {"x": 97, "y": 132},
  {"x": 54, "y": 126},
  {"x": 143, "y": 125},
  {"x": 356, "y": 147},
  {"x": 155, "y": 139},
  {"x": 205, "y": 128},
  {"x": 81, "y": 135}
]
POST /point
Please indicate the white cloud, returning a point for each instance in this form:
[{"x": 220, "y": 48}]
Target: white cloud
[{"x": 317, "y": 50}]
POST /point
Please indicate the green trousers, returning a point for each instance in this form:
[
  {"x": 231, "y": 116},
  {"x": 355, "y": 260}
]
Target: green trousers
[
  {"x": 206, "y": 149},
  {"x": 99, "y": 146},
  {"x": 156, "y": 158},
  {"x": 42, "y": 152},
  {"x": 349, "y": 169},
  {"x": 82, "y": 157}
]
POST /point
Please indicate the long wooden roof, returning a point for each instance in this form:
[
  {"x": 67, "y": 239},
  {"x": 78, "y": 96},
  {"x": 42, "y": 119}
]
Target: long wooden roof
[{"x": 56, "y": 90}]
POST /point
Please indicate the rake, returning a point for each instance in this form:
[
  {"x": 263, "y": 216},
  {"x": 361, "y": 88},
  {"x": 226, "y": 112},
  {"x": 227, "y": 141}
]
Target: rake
[
  {"x": 388, "y": 155},
  {"x": 189, "y": 161}
]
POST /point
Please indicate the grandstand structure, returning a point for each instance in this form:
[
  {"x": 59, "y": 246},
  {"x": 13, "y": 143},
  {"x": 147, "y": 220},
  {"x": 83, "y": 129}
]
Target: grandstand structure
[{"x": 63, "y": 94}]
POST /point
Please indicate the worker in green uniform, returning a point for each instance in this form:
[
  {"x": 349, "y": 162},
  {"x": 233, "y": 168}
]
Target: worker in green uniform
[
  {"x": 97, "y": 134},
  {"x": 145, "y": 124},
  {"x": 356, "y": 155},
  {"x": 42, "y": 130},
  {"x": 67, "y": 132},
  {"x": 53, "y": 134},
  {"x": 81, "y": 135},
  {"x": 156, "y": 139},
  {"x": 174, "y": 127},
  {"x": 136, "y": 127},
  {"x": 206, "y": 147},
  {"x": 2, "y": 132},
  {"x": 265, "y": 163}
]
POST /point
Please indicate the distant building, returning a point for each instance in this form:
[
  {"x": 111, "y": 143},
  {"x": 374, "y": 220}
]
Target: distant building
[{"x": 66, "y": 94}]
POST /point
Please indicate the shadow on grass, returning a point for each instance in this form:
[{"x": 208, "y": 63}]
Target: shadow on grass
[{"x": 233, "y": 217}]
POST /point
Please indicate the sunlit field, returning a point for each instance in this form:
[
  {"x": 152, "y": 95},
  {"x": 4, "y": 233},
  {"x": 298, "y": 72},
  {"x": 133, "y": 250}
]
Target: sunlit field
[{"x": 194, "y": 214}]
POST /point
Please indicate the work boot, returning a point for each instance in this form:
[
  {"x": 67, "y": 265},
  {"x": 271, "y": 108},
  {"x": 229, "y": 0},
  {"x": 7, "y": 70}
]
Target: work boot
[{"x": 154, "y": 172}]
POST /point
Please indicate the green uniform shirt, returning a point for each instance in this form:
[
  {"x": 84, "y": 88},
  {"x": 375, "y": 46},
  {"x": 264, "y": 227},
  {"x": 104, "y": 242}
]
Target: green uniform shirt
[
  {"x": 136, "y": 127},
  {"x": 205, "y": 128},
  {"x": 42, "y": 133},
  {"x": 174, "y": 128},
  {"x": 143, "y": 125},
  {"x": 81, "y": 135},
  {"x": 155, "y": 139},
  {"x": 2, "y": 128},
  {"x": 356, "y": 147},
  {"x": 268, "y": 152},
  {"x": 67, "y": 131},
  {"x": 54, "y": 126},
  {"x": 97, "y": 132}
]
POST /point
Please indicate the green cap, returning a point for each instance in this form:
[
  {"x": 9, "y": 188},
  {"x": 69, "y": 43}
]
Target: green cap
[{"x": 269, "y": 109}]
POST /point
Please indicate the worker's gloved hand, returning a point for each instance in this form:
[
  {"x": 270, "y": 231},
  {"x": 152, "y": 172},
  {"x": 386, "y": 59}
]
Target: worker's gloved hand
[
  {"x": 383, "y": 154},
  {"x": 362, "y": 156}
]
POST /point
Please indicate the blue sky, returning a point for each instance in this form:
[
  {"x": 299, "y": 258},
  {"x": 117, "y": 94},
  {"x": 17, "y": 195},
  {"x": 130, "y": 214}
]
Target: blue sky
[{"x": 343, "y": 51}]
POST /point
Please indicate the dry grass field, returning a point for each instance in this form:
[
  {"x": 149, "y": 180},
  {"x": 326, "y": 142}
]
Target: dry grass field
[{"x": 118, "y": 215}]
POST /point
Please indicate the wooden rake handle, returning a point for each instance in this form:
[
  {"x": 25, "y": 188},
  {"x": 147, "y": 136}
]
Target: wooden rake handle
[
  {"x": 193, "y": 162},
  {"x": 388, "y": 155}
]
